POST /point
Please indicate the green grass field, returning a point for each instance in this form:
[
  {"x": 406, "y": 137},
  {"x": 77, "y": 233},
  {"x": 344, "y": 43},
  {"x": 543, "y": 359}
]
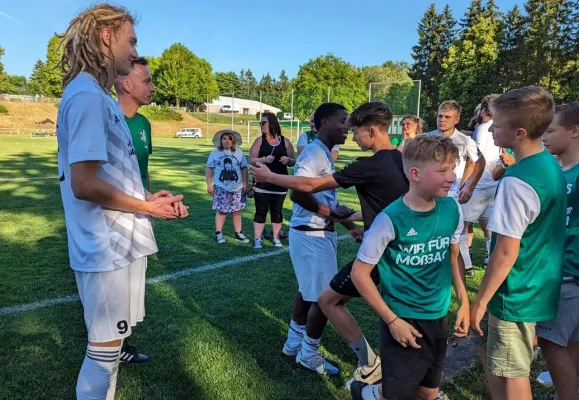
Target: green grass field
[{"x": 214, "y": 334}]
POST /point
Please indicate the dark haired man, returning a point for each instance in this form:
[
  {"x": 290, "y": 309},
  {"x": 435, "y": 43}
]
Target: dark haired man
[{"x": 379, "y": 180}]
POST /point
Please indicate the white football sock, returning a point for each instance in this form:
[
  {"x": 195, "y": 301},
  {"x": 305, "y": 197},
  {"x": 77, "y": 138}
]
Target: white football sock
[
  {"x": 295, "y": 334},
  {"x": 488, "y": 245},
  {"x": 98, "y": 374},
  {"x": 371, "y": 392},
  {"x": 310, "y": 347},
  {"x": 463, "y": 245}
]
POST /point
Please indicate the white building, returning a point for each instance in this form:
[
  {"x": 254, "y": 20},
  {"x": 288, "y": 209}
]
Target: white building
[{"x": 242, "y": 106}]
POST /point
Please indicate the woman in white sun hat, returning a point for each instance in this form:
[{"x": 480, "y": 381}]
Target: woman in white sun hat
[{"x": 226, "y": 176}]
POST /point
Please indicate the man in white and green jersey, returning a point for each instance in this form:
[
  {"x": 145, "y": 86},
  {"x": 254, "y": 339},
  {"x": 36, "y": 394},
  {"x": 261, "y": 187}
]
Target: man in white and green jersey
[
  {"x": 135, "y": 90},
  {"x": 467, "y": 178},
  {"x": 414, "y": 242},
  {"x": 522, "y": 283},
  {"x": 559, "y": 338}
]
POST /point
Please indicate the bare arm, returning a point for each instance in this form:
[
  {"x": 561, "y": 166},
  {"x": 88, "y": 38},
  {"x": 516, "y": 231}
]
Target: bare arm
[
  {"x": 254, "y": 152},
  {"x": 471, "y": 179},
  {"x": 368, "y": 290},
  {"x": 501, "y": 262},
  {"x": 308, "y": 202},
  {"x": 244, "y": 178},
  {"x": 290, "y": 152},
  {"x": 300, "y": 149},
  {"x": 88, "y": 186},
  {"x": 300, "y": 183},
  {"x": 335, "y": 154},
  {"x": 498, "y": 172},
  {"x": 463, "y": 314}
]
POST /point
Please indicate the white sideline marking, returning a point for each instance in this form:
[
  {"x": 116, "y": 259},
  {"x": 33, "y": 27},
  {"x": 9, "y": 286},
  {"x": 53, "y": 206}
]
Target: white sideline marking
[
  {"x": 24, "y": 178},
  {"x": 5, "y": 311}
]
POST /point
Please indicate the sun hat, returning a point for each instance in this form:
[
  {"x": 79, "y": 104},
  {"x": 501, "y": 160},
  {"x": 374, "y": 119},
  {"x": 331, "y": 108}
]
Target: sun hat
[{"x": 217, "y": 137}]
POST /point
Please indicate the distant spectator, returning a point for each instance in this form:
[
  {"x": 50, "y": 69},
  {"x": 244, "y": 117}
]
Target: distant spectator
[
  {"x": 226, "y": 177},
  {"x": 277, "y": 153},
  {"x": 309, "y": 136}
]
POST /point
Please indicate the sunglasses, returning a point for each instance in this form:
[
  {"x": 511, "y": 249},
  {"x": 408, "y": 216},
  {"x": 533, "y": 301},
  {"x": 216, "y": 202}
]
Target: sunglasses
[{"x": 262, "y": 123}]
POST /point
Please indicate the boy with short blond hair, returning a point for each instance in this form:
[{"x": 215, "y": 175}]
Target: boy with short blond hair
[
  {"x": 414, "y": 242},
  {"x": 522, "y": 282},
  {"x": 559, "y": 338}
]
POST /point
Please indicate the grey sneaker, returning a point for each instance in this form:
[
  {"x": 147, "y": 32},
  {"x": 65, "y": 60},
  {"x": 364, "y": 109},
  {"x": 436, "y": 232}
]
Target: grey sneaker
[
  {"x": 257, "y": 244},
  {"x": 469, "y": 273},
  {"x": 219, "y": 238},
  {"x": 241, "y": 237},
  {"x": 277, "y": 243}
]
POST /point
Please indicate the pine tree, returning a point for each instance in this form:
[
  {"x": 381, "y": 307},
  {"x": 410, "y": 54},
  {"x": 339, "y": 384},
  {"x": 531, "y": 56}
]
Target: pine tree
[
  {"x": 551, "y": 32},
  {"x": 283, "y": 83},
  {"x": 511, "y": 60},
  {"x": 436, "y": 32},
  {"x": 469, "y": 71}
]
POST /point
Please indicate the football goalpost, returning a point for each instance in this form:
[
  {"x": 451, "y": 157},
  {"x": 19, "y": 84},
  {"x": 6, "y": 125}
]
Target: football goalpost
[{"x": 403, "y": 98}]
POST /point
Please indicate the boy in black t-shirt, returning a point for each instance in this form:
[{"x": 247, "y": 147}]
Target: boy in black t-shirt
[{"x": 379, "y": 180}]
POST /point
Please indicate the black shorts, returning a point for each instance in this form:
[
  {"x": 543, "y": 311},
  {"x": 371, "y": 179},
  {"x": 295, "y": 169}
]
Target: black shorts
[
  {"x": 265, "y": 202},
  {"x": 342, "y": 282},
  {"x": 405, "y": 369}
]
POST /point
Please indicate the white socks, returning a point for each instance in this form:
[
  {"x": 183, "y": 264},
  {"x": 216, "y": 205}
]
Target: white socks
[
  {"x": 371, "y": 392},
  {"x": 463, "y": 244},
  {"x": 295, "y": 334},
  {"x": 310, "y": 347},
  {"x": 488, "y": 245},
  {"x": 97, "y": 379}
]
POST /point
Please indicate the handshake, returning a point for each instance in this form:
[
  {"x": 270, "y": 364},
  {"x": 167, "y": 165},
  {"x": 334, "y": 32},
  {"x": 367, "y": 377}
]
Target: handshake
[
  {"x": 341, "y": 212},
  {"x": 164, "y": 205}
]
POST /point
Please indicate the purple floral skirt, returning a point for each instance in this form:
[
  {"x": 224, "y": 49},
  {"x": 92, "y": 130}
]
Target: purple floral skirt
[{"x": 228, "y": 202}]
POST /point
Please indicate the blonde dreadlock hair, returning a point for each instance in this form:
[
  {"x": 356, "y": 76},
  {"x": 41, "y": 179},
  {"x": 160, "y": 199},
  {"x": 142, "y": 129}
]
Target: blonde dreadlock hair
[{"x": 81, "y": 41}]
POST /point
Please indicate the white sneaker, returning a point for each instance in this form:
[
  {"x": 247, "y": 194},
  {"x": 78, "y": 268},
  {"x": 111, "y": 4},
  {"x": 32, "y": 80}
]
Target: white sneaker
[
  {"x": 277, "y": 243},
  {"x": 367, "y": 374},
  {"x": 219, "y": 238},
  {"x": 257, "y": 244}
]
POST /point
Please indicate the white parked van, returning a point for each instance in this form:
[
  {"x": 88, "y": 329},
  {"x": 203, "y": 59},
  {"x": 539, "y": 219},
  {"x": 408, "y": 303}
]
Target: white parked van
[{"x": 194, "y": 133}]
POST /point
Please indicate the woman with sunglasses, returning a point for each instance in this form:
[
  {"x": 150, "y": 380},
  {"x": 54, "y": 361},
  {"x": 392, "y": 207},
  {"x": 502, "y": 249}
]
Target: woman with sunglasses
[{"x": 277, "y": 153}]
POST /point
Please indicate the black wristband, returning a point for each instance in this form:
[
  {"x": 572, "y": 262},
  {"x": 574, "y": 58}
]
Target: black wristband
[{"x": 388, "y": 324}]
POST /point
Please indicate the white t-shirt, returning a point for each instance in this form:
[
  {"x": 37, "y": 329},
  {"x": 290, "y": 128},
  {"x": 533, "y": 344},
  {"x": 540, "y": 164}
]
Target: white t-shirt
[
  {"x": 314, "y": 162},
  {"x": 91, "y": 127},
  {"x": 486, "y": 144},
  {"x": 516, "y": 206},
  {"x": 227, "y": 168},
  {"x": 466, "y": 150},
  {"x": 303, "y": 142}
]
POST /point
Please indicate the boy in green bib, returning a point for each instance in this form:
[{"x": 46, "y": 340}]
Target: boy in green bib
[
  {"x": 559, "y": 338},
  {"x": 522, "y": 282},
  {"x": 414, "y": 243}
]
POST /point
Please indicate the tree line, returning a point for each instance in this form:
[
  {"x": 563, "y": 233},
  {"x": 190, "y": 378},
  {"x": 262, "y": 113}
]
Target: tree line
[{"x": 487, "y": 51}]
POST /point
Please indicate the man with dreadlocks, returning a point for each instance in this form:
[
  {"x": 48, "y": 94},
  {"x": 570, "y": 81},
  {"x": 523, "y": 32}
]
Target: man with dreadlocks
[{"x": 107, "y": 210}]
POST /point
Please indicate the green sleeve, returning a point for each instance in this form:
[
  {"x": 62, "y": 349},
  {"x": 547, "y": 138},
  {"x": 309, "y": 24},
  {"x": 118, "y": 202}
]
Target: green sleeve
[{"x": 149, "y": 135}]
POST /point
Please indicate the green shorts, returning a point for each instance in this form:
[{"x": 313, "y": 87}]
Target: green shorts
[{"x": 509, "y": 346}]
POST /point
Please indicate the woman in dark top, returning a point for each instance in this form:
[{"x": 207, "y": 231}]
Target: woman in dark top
[{"x": 277, "y": 153}]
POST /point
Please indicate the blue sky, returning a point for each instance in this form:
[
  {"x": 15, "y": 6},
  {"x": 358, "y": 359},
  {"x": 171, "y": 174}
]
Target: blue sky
[{"x": 265, "y": 36}]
